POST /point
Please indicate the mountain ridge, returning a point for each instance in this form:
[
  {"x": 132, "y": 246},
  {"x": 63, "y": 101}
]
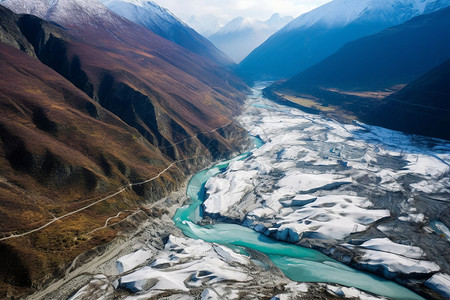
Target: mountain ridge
[
  {"x": 360, "y": 78},
  {"x": 89, "y": 110},
  {"x": 380, "y": 61},
  {"x": 429, "y": 95},
  {"x": 162, "y": 22},
  {"x": 309, "y": 39}
]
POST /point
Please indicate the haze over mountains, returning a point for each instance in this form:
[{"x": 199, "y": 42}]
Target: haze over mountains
[
  {"x": 206, "y": 24},
  {"x": 317, "y": 34},
  {"x": 241, "y": 35}
]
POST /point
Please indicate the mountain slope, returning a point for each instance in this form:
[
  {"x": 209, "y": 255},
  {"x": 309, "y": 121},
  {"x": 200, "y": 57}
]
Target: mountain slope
[
  {"x": 381, "y": 61},
  {"x": 59, "y": 151},
  {"x": 89, "y": 107},
  {"x": 421, "y": 107},
  {"x": 158, "y": 87},
  {"x": 357, "y": 78},
  {"x": 240, "y": 36},
  {"x": 160, "y": 21},
  {"x": 319, "y": 33}
]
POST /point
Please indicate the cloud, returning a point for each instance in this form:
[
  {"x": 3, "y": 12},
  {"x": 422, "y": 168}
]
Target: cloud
[{"x": 228, "y": 9}]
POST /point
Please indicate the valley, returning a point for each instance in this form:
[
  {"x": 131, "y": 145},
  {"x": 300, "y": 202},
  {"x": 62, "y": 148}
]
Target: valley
[
  {"x": 260, "y": 157},
  {"x": 361, "y": 229}
]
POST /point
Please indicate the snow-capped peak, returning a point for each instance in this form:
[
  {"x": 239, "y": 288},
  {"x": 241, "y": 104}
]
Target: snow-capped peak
[
  {"x": 240, "y": 36},
  {"x": 62, "y": 11},
  {"x": 339, "y": 13},
  {"x": 278, "y": 21},
  {"x": 127, "y": 8},
  {"x": 240, "y": 24},
  {"x": 206, "y": 24}
]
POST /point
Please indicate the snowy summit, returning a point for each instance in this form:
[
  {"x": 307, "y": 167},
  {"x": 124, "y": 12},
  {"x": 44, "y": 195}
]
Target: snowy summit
[{"x": 340, "y": 13}]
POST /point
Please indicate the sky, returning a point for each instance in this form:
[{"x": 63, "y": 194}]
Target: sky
[{"x": 229, "y": 9}]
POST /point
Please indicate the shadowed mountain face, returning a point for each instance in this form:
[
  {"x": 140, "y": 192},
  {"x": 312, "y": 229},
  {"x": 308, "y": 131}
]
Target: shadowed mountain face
[
  {"x": 163, "y": 23},
  {"x": 357, "y": 77},
  {"x": 317, "y": 34},
  {"x": 118, "y": 63},
  {"x": 89, "y": 108},
  {"x": 392, "y": 57},
  {"x": 421, "y": 107},
  {"x": 59, "y": 151}
]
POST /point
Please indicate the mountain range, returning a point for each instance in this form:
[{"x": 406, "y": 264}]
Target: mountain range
[
  {"x": 390, "y": 58},
  {"x": 365, "y": 72},
  {"x": 162, "y": 22},
  {"x": 92, "y": 102},
  {"x": 206, "y": 24},
  {"x": 319, "y": 33},
  {"x": 241, "y": 35}
]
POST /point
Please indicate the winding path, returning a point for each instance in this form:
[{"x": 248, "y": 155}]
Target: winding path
[{"x": 121, "y": 190}]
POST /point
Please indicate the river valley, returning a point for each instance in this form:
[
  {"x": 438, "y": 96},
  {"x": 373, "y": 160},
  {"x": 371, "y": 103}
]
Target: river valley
[{"x": 311, "y": 193}]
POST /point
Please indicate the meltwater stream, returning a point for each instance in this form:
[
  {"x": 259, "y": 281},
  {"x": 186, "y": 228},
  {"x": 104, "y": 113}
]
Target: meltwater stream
[{"x": 298, "y": 263}]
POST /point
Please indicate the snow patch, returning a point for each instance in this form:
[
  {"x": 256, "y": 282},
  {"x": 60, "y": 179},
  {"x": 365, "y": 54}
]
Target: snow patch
[
  {"x": 441, "y": 283},
  {"x": 132, "y": 260},
  {"x": 184, "y": 264},
  {"x": 386, "y": 245}
]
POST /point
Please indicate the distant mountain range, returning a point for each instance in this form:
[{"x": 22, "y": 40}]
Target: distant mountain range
[
  {"x": 319, "y": 33},
  {"x": 92, "y": 102},
  {"x": 162, "y": 22},
  {"x": 206, "y": 24},
  {"x": 241, "y": 35},
  {"x": 394, "y": 56}
]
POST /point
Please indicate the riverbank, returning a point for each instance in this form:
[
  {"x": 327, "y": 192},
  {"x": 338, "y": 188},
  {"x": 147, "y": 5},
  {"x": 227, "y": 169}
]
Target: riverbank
[
  {"x": 96, "y": 275},
  {"x": 148, "y": 214}
]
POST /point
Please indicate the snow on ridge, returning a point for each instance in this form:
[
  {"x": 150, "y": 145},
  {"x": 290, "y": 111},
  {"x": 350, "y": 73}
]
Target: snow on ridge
[
  {"x": 131, "y": 8},
  {"x": 339, "y": 13},
  {"x": 63, "y": 11}
]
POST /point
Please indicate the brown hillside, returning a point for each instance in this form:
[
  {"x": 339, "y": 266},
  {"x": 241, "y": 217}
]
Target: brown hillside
[{"x": 127, "y": 105}]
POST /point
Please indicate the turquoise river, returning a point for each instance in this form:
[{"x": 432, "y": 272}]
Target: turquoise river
[{"x": 298, "y": 263}]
